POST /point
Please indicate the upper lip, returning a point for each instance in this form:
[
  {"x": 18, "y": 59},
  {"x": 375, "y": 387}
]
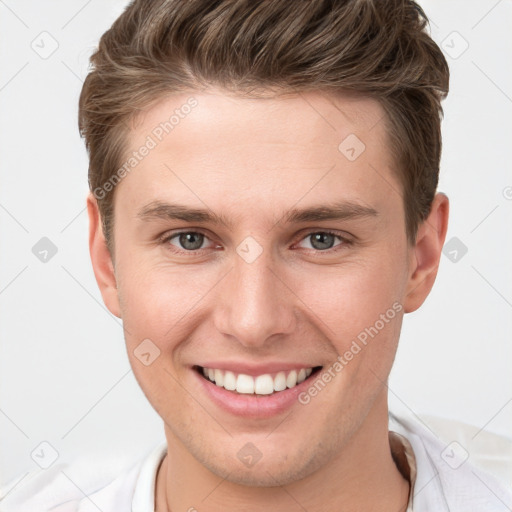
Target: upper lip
[{"x": 256, "y": 369}]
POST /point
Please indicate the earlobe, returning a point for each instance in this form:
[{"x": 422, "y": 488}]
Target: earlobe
[
  {"x": 426, "y": 253},
  {"x": 101, "y": 259}
]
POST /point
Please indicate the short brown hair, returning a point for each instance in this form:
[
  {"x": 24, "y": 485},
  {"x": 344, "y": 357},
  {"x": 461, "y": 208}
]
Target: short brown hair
[{"x": 377, "y": 48}]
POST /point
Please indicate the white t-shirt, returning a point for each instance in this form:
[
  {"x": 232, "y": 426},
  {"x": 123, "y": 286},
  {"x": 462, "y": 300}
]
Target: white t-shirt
[{"x": 441, "y": 481}]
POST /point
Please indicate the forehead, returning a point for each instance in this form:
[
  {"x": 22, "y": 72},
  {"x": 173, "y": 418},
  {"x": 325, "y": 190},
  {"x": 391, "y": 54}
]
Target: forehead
[
  {"x": 268, "y": 151},
  {"x": 310, "y": 118}
]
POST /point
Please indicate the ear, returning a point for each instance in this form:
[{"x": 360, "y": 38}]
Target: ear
[
  {"x": 101, "y": 259},
  {"x": 426, "y": 253}
]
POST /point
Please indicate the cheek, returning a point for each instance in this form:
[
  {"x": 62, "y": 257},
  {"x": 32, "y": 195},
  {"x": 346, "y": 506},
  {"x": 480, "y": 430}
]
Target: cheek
[
  {"x": 157, "y": 305},
  {"x": 358, "y": 309},
  {"x": 350, "y": 298},
  {"x": 158, "y": 301}
]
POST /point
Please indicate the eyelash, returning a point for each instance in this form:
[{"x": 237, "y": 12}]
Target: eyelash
[{"x": 166, "y": 238}]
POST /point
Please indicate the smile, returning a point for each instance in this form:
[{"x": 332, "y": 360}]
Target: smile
[{"x": 265, "y": 384}]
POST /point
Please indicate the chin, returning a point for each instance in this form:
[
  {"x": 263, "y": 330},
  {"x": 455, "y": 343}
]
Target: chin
[
  {"x": 269, "y": 471},
  {"x": 261, "y": 477}
]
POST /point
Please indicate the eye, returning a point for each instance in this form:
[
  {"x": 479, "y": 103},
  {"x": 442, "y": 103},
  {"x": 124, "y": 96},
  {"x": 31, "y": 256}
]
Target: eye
[
  {"x": 190, "y": 241},
  {"x": 324, "y": 240},
  {"x": 186, "y": 241}
]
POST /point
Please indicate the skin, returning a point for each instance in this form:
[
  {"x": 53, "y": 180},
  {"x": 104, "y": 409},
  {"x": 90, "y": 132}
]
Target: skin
[{"x": 252, "y": 160}]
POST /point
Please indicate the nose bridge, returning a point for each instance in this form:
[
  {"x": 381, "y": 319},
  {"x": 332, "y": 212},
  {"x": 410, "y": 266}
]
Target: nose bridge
[{"x": 253, "y": 303}]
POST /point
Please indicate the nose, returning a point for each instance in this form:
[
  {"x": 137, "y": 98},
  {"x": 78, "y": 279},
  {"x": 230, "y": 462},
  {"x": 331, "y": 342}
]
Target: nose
[{"x": 254, "y": 303}]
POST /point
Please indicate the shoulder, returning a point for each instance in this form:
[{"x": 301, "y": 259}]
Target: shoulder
[
  {"x": 449, "y": 473},
  {"x": 81, "y": 486}
]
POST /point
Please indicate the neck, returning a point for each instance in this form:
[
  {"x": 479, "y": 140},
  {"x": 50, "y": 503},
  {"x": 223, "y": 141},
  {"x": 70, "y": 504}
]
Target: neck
[{"x": 363, "y": 476}]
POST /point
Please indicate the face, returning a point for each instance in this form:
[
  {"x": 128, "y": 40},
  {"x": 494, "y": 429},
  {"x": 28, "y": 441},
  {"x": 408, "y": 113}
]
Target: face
[{"x": 260, "y": 246}]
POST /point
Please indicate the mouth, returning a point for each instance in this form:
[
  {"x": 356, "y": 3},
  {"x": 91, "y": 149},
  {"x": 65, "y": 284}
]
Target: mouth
[{"x": 263, "y": 385}]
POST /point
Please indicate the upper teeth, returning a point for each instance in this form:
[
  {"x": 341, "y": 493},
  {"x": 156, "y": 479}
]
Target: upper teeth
[{"x": 260, "y": 385}]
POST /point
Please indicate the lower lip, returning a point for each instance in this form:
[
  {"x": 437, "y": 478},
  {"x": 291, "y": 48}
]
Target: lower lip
[{"x": 253, "y": 406}]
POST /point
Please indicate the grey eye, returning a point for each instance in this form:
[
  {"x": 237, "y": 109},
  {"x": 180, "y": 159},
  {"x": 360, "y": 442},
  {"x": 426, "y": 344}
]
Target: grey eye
[
  {"x": 322, "y": 241},
  {"x": 191, "y": 241}
]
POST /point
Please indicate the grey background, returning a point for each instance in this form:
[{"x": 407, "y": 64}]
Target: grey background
[{"x": 64, "y": 374}]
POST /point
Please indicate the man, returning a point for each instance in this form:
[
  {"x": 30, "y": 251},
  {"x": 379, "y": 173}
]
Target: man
[{"x": 263, "y": 212}]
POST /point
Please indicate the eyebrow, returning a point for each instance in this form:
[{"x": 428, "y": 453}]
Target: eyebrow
[{"x": 345, "y": 210}]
